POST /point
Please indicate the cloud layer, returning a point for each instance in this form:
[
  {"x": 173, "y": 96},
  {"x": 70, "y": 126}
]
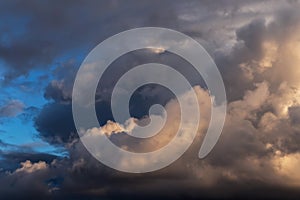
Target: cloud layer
[{"x": 256, "y": 47}]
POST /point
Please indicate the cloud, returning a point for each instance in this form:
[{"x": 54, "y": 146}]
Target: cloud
[
  {"x": 113, "y": 128},
  {"x": 12, "y": 108},
  {"x": 36, "y": 41},
  {"x": 29, "y": 167},
  {"x": 244, "y": 159},
  {"x": 256, "y": 50},
  {"x": 55, "y": 91}
]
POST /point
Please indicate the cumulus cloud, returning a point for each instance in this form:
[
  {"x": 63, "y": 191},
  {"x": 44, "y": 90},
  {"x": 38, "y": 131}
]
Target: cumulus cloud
[
  {"x": 259, "y": 141},
  {"x": 29, "y": 167},
  {"x": 256, "y": 49},
  {"x": 245, "y": 154}
]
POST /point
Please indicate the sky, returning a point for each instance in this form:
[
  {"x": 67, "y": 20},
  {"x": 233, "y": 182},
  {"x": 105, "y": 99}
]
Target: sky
[{"x": 256, "y": 47}]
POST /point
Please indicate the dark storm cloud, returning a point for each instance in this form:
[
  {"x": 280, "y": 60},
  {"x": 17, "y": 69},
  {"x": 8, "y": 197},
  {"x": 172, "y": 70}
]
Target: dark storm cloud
[
  {"x": 247, "y": 165},
  {"x": 55, "y": 123},
  {"x": 247, "y": 49},
  {"x": 252, "y": 36},
  {"x": 60, "y": 89},
  {"x": 242, "y": 163},
  {"x": 55, "y": 91},
  {"x": 55, "y": 119},
  {"x": 34, "y": 38}
]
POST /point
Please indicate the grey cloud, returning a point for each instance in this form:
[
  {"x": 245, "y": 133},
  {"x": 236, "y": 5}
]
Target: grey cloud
[
  {"x": 11, "y": 108},
  {"x": 55, "y": 123},
  {"x": 294, "y": 113},
  {"x": 261, "y": 130},
  {"x": 39, "y": 42},
  {"x": 55, "y": 91}
]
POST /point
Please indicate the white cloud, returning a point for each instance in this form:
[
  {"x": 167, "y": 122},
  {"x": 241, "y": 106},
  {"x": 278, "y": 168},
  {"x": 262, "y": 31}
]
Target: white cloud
[{"x": 30, "y": 167}]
